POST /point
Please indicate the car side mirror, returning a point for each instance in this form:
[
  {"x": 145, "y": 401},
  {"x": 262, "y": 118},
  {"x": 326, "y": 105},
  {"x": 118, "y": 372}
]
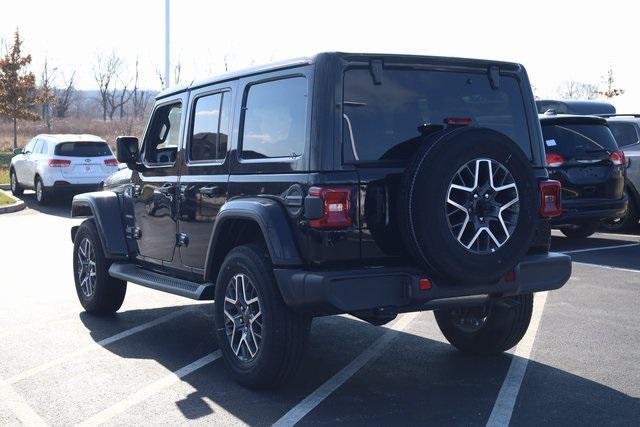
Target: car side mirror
[
  {"x": 128, "y": 151},
  {"x": 17, "y": 151}
]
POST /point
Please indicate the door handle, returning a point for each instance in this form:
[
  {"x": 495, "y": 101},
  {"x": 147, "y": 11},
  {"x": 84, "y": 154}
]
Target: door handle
[{"x": 211, "y": 191}]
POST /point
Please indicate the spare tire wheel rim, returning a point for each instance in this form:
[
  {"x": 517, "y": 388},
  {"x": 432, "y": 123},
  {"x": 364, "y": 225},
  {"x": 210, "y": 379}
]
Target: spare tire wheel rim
[
  {"x": 482, "y": 205},
  {"x": 243, "y": 317}
]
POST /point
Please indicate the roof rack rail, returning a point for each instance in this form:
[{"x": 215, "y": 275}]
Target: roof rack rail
[{"x": 617, "y": 115}]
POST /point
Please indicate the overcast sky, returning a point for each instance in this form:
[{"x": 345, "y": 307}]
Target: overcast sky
[{"x": 556, "y": 40}]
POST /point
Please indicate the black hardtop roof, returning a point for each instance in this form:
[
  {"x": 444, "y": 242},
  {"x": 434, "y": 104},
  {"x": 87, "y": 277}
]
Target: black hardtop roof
[
  {"x": 577, "y": 106},
  {"x": 296, "y": 62},
  {"x": 567, "y": 119}
]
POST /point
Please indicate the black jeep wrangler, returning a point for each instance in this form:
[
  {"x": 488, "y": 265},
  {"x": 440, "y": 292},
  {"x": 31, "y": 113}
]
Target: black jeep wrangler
[{"x": 342, "y": 183}]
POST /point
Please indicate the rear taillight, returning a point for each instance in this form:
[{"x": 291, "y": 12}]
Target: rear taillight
[
  {"x": 111, "y": 162},
  {"x": 59, "y": 163},
  {"x": 617, "y": 158},
  {"x": 554, "y": 160},
  {"x": 336, "y": 207},
  {"x": 550, "y": 205}
]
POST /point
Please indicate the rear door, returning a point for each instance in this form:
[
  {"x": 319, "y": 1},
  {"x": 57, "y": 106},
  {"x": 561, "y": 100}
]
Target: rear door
[
  {"x": 204, "y": 177},
  {"x": 89, "y": 159},
  {"x": 580, "y": 157}
]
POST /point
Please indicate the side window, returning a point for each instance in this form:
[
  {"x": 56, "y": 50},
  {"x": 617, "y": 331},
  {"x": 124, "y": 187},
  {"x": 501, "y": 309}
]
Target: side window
[
  {"x": 29, "y": 147},
  {"x": 210, "y": 129},
  {"x": 162, "y": 138},
  {"x": 275, "y": 119},
  {"x": 43, "y": 148},
  {"x": 37, "y": 147},
  {"x": 625, "y": 133}
]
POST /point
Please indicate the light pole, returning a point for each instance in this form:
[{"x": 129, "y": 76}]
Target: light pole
[{"x": 167, "y": 53}]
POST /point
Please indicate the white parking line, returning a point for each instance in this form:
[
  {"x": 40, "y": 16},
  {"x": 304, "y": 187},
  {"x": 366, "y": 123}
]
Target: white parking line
[
  {"x": 110, "y": 340},
  {"x": 19, "y": 406},
  {"x": 609, "y": 267},
  {"x": 149, "y": 390},
  {"x": 506, "y": 400},
  {"x": 372, "y": 352},
  {"x": 575, "y": 251}
]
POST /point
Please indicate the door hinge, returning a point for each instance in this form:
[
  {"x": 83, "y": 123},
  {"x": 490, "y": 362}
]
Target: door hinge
[
  {"x": 134, "y": 232},
  {"x": 182, "y": 239}
]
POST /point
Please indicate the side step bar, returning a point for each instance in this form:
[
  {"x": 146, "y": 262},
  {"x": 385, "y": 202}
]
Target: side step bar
[{"x": 134, "y": 274}]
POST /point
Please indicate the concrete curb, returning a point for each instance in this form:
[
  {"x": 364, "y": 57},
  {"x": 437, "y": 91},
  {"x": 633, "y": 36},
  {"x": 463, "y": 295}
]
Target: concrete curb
[
  {"x": 18, "y": 206},
  {"x": 5, "y": 186}
]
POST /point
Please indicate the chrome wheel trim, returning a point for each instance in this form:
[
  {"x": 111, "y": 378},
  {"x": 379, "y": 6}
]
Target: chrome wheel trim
[
  {"x": 470, "y": 319},
  {"x": 482, "y": 205},
  {"x": 86, "y": 267},
  {"x": 39, "y": 190},
  {"x": 243, "y": 317}
]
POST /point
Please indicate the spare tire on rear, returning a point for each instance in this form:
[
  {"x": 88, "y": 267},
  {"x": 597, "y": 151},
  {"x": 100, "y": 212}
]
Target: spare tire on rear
[{"x": 468, "y": 205}]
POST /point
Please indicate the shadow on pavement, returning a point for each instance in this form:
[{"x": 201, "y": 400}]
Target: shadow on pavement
[
  {"x": 416, "y": 379},
  {"x": 59, "y": 205}
]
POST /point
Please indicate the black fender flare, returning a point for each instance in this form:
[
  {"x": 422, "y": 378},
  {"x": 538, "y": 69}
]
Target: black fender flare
[
  {"x": 271, "y": 217},
  {"x": 104, "y": 207}
]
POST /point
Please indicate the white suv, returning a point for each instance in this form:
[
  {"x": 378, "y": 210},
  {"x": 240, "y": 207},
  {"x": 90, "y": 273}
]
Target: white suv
[{"x": 55, "y": 163}]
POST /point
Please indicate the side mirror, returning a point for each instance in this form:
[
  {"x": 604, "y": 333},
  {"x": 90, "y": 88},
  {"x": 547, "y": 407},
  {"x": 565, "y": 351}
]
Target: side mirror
[
  {"x": 17, "y": 151},
  {"x": 128, "y": 151}
]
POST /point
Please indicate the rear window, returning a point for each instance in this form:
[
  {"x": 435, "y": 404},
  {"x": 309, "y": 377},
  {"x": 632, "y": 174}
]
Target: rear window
[
  {"x": 576, "y": 141},
  {"x": 625, "y": 133},
  {"x": 83, "y": 149},
  {"x": 381, "y": 119}
]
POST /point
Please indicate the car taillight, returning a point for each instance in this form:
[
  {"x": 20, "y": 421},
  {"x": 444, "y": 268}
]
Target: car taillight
[
  {"x": 336, "y": 207},
  {"x": 111, "y": 162},
  {"x": 458, "y": 121},
  {"x": 550, "y": 205},
  {"x": 554, "y": 160},
  {"x": 617, "y": 158},
  {"x": 59, "y": 163}
]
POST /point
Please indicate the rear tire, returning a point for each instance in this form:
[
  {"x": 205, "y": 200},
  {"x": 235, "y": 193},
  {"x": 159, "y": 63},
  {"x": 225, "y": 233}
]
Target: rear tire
[
  {"x": 628, "y": 220},
  {"x": 42, "y": 193},
  {"x": 274, "y": 335},
  {"x": 580, "y": 231},
  {"x": 16, "y": 188},
  {"x": 484, "y": 331},
  {"x": 97, "y": 291}
]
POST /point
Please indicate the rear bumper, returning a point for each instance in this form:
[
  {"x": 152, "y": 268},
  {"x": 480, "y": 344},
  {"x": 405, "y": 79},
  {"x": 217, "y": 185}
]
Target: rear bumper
[
  {"x": 397, "y": 289},
  {"x": 76, "y": 188},
  {"x": 590, "y": 209}
]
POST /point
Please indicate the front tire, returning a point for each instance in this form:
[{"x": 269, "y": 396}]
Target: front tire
[
  {"x": 261, "y": 339},
  {"x": 580, "y": 231},
  {"x": 489, "y": 329},
  {"x": 97, "y": 291},
  {"x": 16, "y": 188}
]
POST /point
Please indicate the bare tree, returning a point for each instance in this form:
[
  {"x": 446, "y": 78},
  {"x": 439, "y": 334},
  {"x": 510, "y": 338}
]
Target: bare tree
[
  {"x": 47, "y": 91},
  {"x": 572, "y": 89},
  {"x": 65, "y": 96},
  {"x": 105, "y": 73},
  {"x": 140, "y": 97},
  {"x": 176, "y": 73},
  {"x": 118, "y": 98},
  {"x": 609, "y": 90}
]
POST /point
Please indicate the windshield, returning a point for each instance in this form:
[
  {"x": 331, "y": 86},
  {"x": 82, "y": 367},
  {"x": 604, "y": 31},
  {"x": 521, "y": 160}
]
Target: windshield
[
  {"x": 83, "y": 149},
  {"x": 381, "y": 120},
  {"x": 579, "y": 141}
]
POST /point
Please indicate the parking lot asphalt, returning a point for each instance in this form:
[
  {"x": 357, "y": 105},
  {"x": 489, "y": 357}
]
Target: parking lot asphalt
[{"x": 157, "y": 362}]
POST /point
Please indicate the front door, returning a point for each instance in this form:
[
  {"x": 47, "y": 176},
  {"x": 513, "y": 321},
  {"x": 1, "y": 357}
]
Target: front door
[
  {"x": 203, "y": 179},
  {"x": 155, "y": 185}
]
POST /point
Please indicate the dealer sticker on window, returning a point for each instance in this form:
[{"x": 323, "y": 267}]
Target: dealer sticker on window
[{"x": 551, "y": 142}]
